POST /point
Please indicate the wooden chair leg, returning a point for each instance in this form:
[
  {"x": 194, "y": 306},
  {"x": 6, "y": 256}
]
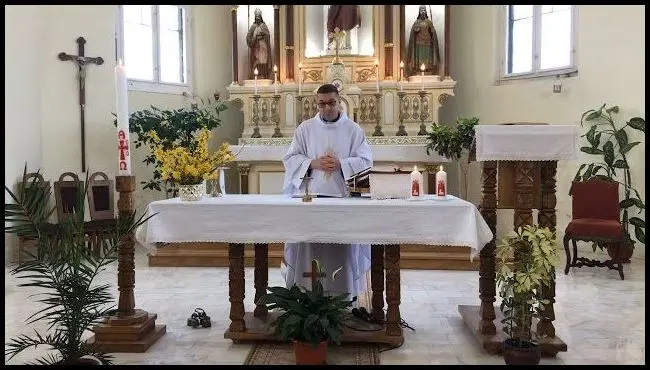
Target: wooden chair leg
[
  {"x": 618, "y": 261},
  {"x": 568, "y": 254},
  {"x": 575, "y": 252}
]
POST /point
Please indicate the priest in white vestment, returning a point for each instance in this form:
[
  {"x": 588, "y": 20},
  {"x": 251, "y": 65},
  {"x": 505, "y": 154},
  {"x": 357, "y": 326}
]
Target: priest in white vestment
[{"x": 332, "y": 148}]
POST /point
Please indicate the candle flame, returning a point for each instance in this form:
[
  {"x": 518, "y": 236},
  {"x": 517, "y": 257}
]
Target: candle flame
[
  {"x": 275, "y": 68},
  {"x": 422, "y": 67},
  {"x": 255, "y": 72},
  {"x": 376, "y": 62},
  {"x": 119, "y": 62},
  {"x": 441, "y": 168},
  {"x": 300, "y": 65},
  {"x": 415, "y": 168},
  {"x": 401, "y": 64}
]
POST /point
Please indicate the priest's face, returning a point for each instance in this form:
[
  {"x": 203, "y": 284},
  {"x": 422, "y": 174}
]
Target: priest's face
[{"x": 328, "y": 105}]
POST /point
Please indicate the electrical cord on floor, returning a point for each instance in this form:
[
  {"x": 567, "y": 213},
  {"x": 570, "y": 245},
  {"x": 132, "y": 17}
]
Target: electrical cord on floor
[{"x": 362, "y": 314}]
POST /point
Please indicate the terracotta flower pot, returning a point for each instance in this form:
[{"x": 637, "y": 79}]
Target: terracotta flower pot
[
  {"x": 306, "y": 354},
  {"x": 525, "y": 354}
]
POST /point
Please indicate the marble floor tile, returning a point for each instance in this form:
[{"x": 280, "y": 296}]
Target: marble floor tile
[{"x": 600, "y": 317}]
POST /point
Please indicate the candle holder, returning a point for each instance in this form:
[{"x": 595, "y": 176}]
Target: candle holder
[
  {"x": 378, "y": 131},
  {"x": 423, "y": 113},
  {"x": 401, "y": 131},
  {"x": 307, "y": 197},
  {"x": 275, "y": 115},
  {"x": 299, "y": 110},
  {"x": 256, "y": 116}
]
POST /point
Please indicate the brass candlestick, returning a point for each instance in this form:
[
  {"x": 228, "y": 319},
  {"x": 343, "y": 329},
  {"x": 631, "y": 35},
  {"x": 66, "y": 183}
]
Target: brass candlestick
[
  {"x": 423, "y": 113},
  {"x": 275, "y": 115},
  {"x": 378, "y": 131},
  {"x": 401, "y": 131},
  {"x": 307, "y": 197},
  {"x": 256, "y": 116}
]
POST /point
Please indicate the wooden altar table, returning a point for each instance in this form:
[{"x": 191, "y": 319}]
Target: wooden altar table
[
  {"x": 262, "y": 219},
  {"x": 531, "y": 148}
]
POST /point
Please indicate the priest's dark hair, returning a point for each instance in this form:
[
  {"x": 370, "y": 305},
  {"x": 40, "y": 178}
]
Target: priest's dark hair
[{"x": 327, "y": 89}]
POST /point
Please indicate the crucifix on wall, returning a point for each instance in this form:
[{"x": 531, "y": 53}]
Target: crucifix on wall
[{"x": 82, "y": 61}]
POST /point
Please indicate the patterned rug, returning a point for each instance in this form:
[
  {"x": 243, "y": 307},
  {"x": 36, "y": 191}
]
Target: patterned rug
[{"x": 345, "y": 354}]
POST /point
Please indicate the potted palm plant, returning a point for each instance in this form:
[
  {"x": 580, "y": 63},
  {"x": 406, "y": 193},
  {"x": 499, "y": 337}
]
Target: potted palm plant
[
  {"x": 310, "y": 318},
  {"x": 66, "y": 271},
  {"x": 526, "y": 261}
]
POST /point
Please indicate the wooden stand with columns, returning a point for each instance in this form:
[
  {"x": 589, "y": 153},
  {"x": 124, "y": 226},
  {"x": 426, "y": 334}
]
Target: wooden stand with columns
[{"x": 129, "y": 330}]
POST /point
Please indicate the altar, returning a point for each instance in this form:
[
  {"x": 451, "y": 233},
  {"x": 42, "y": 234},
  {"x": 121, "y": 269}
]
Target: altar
[
  {"x": 393, "y": 103},
  {"x": 385, "y": 224}
]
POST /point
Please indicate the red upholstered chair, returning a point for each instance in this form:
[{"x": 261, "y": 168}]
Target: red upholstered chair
[{"x": 595, "y": 219}]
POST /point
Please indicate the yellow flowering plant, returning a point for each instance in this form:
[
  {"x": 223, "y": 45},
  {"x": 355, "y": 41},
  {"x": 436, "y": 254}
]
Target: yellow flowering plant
[{"x": 190, "y": 165}]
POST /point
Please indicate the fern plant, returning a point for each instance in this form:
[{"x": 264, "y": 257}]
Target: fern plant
[
  {"x": 66, "y": 271},
  {"x": 610, "y": 141}
]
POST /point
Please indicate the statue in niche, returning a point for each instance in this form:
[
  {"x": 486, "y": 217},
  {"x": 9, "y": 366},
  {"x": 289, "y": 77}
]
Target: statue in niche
[
  {"x": 258, "y": 40},
  {"x": 345, "y": 18},
  {"x": 423, "y": 46}
]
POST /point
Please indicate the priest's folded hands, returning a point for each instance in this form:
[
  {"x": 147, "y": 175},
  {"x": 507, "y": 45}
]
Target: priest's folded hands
[{"x": 327, "y": 163}]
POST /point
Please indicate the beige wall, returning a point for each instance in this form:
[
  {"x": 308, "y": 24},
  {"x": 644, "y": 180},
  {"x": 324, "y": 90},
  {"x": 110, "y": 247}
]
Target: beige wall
[
  {"x": 611, "y": 69},
  {"x": 42, "y": 115}
]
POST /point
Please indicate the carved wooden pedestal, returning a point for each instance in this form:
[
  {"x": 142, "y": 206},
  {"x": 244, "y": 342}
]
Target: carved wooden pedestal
[
  {"x": 481, "y": 319},
  {"x": 129, "y": 330},
  {"x": 254, "y": 326}
]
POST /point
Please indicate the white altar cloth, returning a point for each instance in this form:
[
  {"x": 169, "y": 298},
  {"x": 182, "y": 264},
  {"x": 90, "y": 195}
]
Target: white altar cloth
[
  {"x": 526, "y": 142},
  {"x": 261, "y": 218}
]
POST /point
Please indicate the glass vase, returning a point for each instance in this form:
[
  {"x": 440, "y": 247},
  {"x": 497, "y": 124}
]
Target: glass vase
[{"x": 191, "y": 193}]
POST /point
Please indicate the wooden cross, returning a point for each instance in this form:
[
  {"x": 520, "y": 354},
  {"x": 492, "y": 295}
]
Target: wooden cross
[
  {"x": 81, "y": 61},
  {"x": 314, "y": 274}
]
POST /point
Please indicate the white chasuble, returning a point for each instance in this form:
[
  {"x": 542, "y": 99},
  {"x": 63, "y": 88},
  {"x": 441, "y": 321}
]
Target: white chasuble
[{"x": 345, "y": 140}]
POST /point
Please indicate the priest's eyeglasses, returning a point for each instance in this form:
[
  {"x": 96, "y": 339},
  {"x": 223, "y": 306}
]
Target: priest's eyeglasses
[{"x": 331, "y": 103}]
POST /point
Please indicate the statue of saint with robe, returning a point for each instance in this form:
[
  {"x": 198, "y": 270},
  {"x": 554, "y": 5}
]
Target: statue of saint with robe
[
  {"x": 258, "y": 40},
  {"x": 345, "y": 18},
  {"x": 423, "y": 46}
]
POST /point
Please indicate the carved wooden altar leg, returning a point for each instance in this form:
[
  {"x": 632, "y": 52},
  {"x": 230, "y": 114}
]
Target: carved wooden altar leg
[
  {"x": 524, "y": 175},
  {"x": 377, "y": 281},
  {"x": 393, "y": 317},
  {"x": 261, "y": 277},
  {"x": 546, "y": 218},
  {"x": 487, "y": 275},
  {"x": 243, "y": 178},
  {"x": 236, "y": 287}
]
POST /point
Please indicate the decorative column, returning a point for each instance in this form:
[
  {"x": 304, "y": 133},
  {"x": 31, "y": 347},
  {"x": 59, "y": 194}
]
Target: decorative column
[
  {"x": 235, "y": 65},
  {"x": 129, "y": 330},
  {"x": 243, "y": 178},
  {"x": 289, "y": 45},
  {"x": 388, "y": 42},
  {"x": 276, "y": 38}
]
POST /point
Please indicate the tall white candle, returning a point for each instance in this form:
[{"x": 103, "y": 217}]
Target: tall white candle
[
  {"x": 255, "y": 72},
  {"x": 377, "y": 74},
  {"x": 122, "y": 104},
  {"x": 441, "y": 183},
  {"x": 275, "y": 79},
  {"x": 416, "y": 182},
  {"x": 422, "y": 69},
  {"x": 300, "y": 78},
  {"x": 401, "y": 76}
]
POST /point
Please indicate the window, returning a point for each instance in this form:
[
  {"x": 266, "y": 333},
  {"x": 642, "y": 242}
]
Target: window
[
  {"x": 154, "y": 47},
  {"x": 539, "y": 40}
]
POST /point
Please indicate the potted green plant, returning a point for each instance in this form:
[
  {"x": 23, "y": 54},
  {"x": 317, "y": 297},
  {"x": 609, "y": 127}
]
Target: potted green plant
[
  {"x": 174, "y": 128},
  {"x": 452, "y": 142},
  {"x": 526, "y": 262},
  {"x": 310, "y": 318},
  {"x": 66, "y": 270},
  {"x": 610, "y": 142}
]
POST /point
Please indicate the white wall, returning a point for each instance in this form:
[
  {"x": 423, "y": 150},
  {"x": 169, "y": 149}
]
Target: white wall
[
  {"x": 24, "y": 33},
  {"x": 611, "y": 69},
  {"x": 41, "y": 92}
]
